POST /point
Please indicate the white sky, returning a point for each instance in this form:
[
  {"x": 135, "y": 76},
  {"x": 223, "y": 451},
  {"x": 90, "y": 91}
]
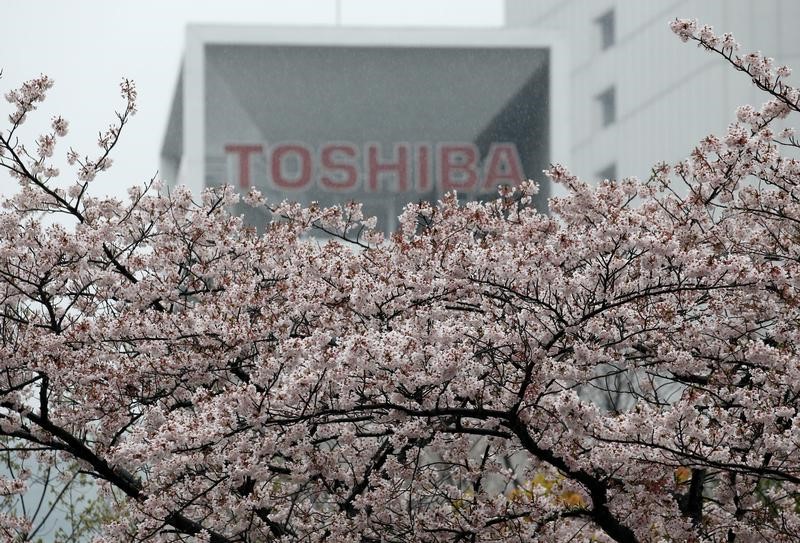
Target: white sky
[{"x": 88, "y": 46}]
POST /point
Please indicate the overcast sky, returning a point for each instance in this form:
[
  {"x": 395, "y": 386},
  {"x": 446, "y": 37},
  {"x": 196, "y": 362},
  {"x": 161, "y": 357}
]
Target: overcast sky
[{"x": 87, "y": 46}]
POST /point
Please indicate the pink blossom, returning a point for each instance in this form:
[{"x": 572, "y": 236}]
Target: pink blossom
[
  {"x": 45, "y": 145},
  {"x": 684, "y": 28},
  {"x": 60, "y": 126},
  {"x": 624, "y": 368}
]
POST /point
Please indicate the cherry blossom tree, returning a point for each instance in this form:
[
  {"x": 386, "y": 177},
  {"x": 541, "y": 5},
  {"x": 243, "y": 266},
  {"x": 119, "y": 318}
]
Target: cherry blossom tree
[{"x": 448, "y": 382}]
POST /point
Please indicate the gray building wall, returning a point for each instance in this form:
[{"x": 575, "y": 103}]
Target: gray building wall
[{"x": 668, "y": 94}]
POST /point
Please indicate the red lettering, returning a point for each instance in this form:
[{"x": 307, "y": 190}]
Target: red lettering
[
  {"x": 292, "y": 166},
  {"x": 423, "y": 168},
  {"x": 244, "y": 152},
  {"x": 399, "y": 167},
  {"x": 458, "y": 166},
  {"x": 328, "y": 158},
  {"x": 503, "y": 166},
  {"x": 302, "y": 178}
]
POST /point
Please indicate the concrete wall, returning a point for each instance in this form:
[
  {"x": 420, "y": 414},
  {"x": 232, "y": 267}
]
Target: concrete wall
[{"x": 669, "y": 94}]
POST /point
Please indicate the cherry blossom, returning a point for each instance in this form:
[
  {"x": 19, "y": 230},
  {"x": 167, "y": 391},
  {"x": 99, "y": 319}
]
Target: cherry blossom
[{"x": 624, "y": 368}]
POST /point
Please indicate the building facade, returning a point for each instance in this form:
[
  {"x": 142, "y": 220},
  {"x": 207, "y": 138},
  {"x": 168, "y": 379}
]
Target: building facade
[
  {"x": 639, "y": 95},
  {"x": 381, "y": 116},
  {"x": 389, "y": 116}
]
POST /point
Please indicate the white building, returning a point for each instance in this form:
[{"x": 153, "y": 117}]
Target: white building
[
  {"x": 640, "y": 95},
  {"x": 393, "y": 115},
  {"x": 383, "y": 116}
]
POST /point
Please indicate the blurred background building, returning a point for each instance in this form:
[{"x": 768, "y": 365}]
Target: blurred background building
[
  {"x": 637, "y": 94},
  {"x": 393, "y": 115},
  {"x": 379, "y": 115}
]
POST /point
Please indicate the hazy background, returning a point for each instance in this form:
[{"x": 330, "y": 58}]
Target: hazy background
[{"x": 88, "y": 46}]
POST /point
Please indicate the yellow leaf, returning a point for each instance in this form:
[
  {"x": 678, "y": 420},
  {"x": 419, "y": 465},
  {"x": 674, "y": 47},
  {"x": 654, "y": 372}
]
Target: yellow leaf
[
  {"x": 682, "y": 474},
  {"x": 572, "y": 499},
  {"x": 540, "y": 480}
]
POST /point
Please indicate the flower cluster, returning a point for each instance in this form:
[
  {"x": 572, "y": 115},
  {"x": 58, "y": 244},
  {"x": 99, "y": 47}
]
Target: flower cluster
[
  {"x": 26, "y": 97},
  {"x": 626, "y": 368},
  {"x": 761, "y": 69}
]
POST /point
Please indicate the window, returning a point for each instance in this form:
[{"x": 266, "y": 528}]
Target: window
[
  {"x": 605, "y": 26},
  {"x": 609, "y": 172},
  {"x": 606, "y": 103}
]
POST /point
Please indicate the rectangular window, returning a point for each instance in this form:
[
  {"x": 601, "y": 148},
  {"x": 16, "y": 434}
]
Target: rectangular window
[
  {"x": 609, "y": 172},
  {"x": 605, "y": 27},
  {"x": 607, "y": 105}
]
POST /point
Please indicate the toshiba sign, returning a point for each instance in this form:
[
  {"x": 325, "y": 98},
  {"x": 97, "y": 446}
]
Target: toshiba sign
[
  {"x": 346, "y": 167},
  {"x": 381, "y": 116}
]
